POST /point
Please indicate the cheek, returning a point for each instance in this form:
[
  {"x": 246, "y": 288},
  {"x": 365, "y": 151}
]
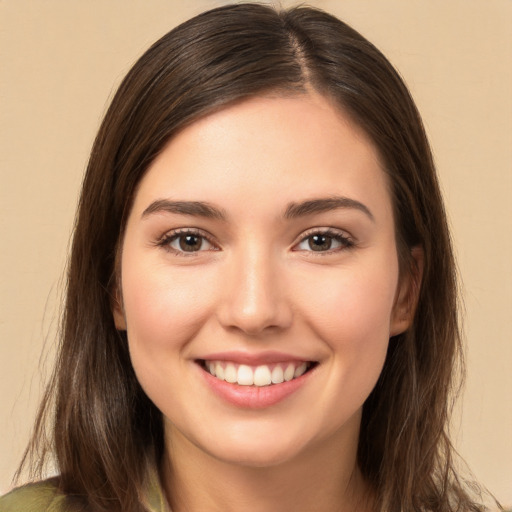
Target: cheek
[
  {"x": 353, "y": 304},
  {"x": 351, "y": 312},
  {"x": 163, "y": 309}
]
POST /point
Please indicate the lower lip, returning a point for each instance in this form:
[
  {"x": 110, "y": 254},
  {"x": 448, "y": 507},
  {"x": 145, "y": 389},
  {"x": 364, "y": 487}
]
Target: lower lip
[{"x": 254, "y": 397}]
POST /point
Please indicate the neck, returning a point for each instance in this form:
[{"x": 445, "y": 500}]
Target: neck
[{"x": 315, "y": 480}]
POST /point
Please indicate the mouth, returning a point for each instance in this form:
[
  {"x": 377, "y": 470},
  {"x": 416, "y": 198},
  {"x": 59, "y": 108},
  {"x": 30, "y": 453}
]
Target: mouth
[{"x": 256, "y": 375}]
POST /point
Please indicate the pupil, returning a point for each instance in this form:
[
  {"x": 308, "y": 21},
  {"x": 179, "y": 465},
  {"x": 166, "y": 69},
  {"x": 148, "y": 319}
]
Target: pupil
[
  {"x": 320, "y": 242},
  {"x": 190, "y": 243}
]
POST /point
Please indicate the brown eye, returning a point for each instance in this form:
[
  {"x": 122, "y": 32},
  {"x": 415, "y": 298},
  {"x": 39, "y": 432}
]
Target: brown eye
[
  {"x": 187, "y": 242},
  {"x": 324, "y": 241},
  {"x": 190, "y": 243},
  {"x": 320, "y": 242}
]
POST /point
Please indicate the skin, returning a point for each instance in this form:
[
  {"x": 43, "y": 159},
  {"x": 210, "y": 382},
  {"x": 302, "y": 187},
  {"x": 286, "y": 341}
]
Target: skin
[{"x": 255, "y": 285}]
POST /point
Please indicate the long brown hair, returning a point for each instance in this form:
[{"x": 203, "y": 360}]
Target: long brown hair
[{"x": 105, "y": 431}]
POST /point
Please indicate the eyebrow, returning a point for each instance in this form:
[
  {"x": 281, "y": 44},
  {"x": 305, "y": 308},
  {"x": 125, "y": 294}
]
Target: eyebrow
[
  {"x": 196, "y": 208},
  {"x": 292, "y": 211},
  {"x": 321, "y": 205}
]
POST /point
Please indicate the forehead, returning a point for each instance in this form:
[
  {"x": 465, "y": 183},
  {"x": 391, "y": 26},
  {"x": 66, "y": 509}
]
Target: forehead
[{"x": 268, "y": 150}]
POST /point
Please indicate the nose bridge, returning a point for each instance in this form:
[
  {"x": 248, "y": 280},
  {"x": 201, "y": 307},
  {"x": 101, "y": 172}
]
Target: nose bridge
[{"x": 255, "y": 298}]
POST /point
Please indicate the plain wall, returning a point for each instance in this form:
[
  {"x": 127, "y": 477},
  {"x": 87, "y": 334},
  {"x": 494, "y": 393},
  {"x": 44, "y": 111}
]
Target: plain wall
[{"x": 59, "y": 64}]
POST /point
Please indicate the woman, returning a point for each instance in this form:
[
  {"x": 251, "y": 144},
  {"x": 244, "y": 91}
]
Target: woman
[{"x": 261, "y": 308}]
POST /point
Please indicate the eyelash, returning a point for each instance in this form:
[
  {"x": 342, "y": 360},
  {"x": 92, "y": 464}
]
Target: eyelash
[
  {"x": 345, "y": 241},
  {"x": 168, "y": 238}
]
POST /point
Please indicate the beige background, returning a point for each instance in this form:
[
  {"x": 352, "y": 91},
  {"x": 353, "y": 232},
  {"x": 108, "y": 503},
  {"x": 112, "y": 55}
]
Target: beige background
[{"x": 60, "y": 61}]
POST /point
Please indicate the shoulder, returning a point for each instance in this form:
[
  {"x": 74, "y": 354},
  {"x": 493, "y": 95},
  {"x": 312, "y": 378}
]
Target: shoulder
[{"x": 36, "y": 497}]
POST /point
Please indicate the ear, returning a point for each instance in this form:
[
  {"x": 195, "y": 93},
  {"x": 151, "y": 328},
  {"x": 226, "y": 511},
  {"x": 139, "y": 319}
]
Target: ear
[
  {"x": 407, "y": 294},
  {"x": 116, "y": 294},
  {"x": 118, "y": 309}
]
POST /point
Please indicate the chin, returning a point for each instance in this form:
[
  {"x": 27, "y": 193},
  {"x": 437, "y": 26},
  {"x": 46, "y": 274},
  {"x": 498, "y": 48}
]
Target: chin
[
  {"x": 256, "y": 455},
  {"x": 253, "y": 447}
]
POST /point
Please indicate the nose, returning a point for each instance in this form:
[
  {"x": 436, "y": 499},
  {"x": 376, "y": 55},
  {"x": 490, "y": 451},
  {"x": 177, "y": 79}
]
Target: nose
[{"x": 255, "y": 299}]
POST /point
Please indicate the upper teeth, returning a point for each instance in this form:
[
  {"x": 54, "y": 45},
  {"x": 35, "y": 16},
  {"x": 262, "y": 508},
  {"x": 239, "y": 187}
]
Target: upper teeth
[{"x": 262, "y": 375}]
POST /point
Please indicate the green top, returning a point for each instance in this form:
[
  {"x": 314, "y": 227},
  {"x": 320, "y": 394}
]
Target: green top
[{"x": 44, "y": 497}]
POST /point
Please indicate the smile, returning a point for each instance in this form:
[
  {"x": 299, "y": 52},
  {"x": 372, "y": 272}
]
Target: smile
[{"x": 259, "y": 376}]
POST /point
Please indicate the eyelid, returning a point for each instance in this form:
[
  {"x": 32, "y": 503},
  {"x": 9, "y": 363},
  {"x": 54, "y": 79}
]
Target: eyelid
[
  {"x": 165, "y": 240},
  {"x": 347, "y": 240}
]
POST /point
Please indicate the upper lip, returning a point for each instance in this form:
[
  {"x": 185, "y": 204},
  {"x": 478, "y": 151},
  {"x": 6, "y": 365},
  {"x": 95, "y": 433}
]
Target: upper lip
[{"x": 256, "y": 359}]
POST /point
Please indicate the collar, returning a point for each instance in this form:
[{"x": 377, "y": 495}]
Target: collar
[{"x": 154, "y": 498}]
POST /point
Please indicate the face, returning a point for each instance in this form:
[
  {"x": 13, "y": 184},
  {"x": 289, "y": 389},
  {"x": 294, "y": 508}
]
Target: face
[{"x": 260, "y": 282}]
